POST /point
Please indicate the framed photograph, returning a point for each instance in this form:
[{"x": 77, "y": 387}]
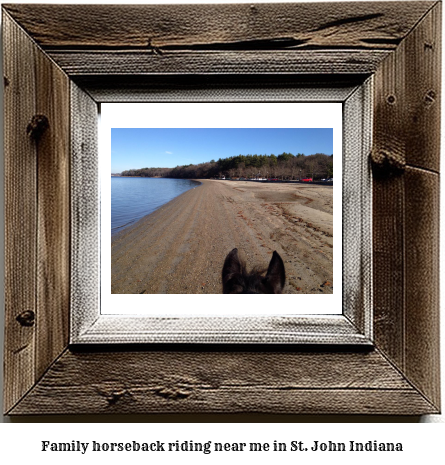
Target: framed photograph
[{"x": 158, "y": 316}]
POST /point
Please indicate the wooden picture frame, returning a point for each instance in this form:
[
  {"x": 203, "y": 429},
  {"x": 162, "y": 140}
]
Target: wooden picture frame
[
  {"x": 90, "y": 319},
  {"x": 57, "y": 70}
]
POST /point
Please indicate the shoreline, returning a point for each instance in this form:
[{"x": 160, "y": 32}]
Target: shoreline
[
  {"x": 180, "y": 247},
  {"x": 133, "y": 222}
]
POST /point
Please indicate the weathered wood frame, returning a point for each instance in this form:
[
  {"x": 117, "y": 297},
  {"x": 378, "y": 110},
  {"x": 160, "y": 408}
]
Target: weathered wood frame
[{"x": 96, "y": 52}]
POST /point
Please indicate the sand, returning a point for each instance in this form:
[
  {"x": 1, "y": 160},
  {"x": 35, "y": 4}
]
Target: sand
[{"x": 181, "y": 247}]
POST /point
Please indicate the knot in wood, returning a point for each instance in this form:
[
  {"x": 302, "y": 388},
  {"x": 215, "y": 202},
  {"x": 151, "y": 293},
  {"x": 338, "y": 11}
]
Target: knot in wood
[
  {"x": 37, "y": 126},
  {"x": 112, "y": 394},
  {"x": 173, "y": 393},
  {"x": 387, "y": 162},
  {"x": 114, "y": 397},
  {"x": 26, "y": 318}
]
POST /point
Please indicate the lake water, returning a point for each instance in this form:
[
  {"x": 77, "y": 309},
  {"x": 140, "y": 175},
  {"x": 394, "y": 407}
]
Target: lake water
[{"x": 133, "y": 198}]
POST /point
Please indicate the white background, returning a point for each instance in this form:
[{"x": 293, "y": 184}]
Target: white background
[
  {"x": 218, "y": 115},
  {"x": 21, "y": 442}
]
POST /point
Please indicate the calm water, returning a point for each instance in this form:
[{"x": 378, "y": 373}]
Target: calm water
[{"x": 133, "y": 198}]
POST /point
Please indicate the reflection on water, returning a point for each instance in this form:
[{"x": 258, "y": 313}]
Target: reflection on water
[{"x": 133, "y": 198}]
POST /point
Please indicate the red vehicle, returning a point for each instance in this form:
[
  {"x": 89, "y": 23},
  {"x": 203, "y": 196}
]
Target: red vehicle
[{"x": 306, "y": 180}]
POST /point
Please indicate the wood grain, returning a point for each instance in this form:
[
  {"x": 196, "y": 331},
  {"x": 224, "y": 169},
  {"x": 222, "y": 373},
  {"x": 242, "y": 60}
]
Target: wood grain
[
  {"x": 388, "y": 268},
  {"x": 389, "y": 143},
  {"x": 266, "y": 38},
  {"x": 421, "y": 210},
  {"x": 79, "y": 63},
  {"x": 85, "y": 211},
  {"x": 109, "y": 329},
  {"x": 422, "y": 364},
  {"x": 398, "y": 42},
  {"x": 37, "y": 217},
  {"x": 406, "y": 208},
  {"x": 20, "y": 212},
  {"x": 348, "y": 25},
  {"x": 357, "y": 209},
  {"x": 423, "y": 92},
  {"x": 53, "y": 227},
  {"x": 220, "y": 382},
  {"x": 407, "y": 105}
]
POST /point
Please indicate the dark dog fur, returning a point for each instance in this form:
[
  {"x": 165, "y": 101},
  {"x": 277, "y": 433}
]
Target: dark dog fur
[{"x": 236, "y": 280}]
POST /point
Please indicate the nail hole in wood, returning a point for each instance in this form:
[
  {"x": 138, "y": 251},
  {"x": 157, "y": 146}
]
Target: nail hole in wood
[{"x": 430, "y": 97}]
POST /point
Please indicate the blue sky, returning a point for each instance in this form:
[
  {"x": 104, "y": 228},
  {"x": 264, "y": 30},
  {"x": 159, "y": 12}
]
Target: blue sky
[{"x": 167, "y": 148}]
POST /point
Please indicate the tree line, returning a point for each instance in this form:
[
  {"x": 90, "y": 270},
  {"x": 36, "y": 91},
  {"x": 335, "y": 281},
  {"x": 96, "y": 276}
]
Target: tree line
[{"x": 285, "y": 166}]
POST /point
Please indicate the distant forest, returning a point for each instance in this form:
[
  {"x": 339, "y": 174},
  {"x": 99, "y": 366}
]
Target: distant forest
[{"x": 285, "y": 166}]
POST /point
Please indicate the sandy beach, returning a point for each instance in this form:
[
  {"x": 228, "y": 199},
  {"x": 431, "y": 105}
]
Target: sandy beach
[{"x": 181, "y": 247}]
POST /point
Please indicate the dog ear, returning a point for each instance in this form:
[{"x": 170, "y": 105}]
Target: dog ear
[
  {"x": 232, "y": 269},
  {"x": 276, "y": 275}
]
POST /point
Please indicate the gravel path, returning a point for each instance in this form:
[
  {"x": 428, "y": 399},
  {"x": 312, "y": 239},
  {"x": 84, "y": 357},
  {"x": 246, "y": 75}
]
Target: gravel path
[{"x": 181, "y": 247}]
